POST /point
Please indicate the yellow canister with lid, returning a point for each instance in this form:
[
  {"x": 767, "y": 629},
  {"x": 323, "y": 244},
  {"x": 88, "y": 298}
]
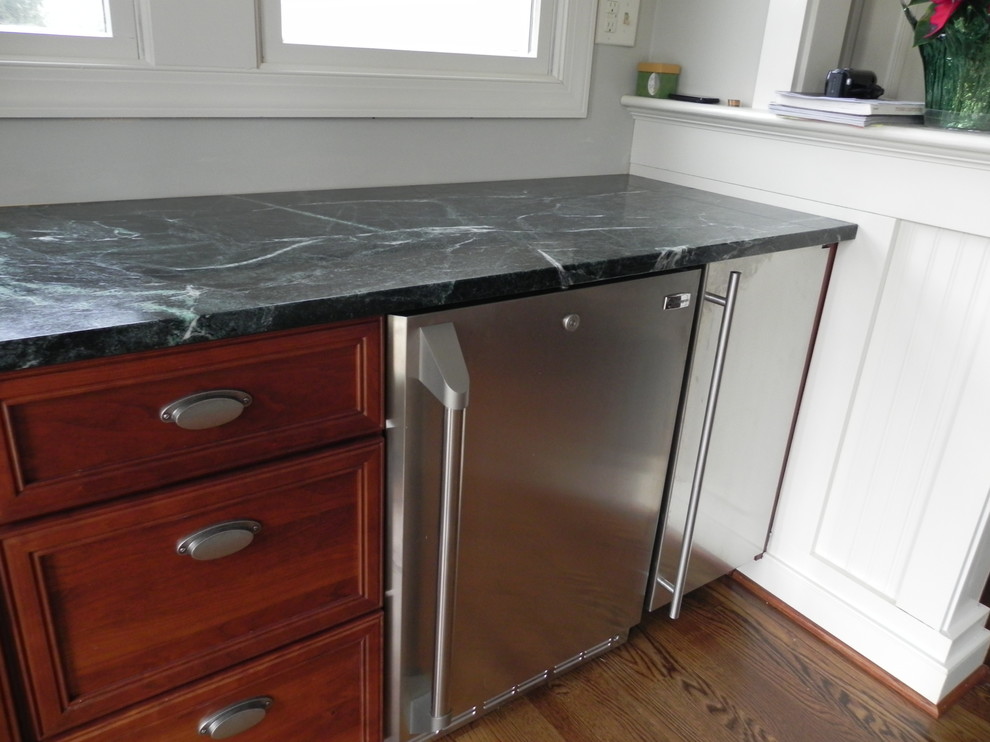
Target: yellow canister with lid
[{"x": 655, "y": 80}]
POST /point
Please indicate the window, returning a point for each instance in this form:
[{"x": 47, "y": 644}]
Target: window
[
  {"x": 56, "y": 30},
  {"x": 64, "y": 17},
  {"x": 506, "y": 28},
  {"x": 416, "y": 58},
  {"x": 426, "y": 55}
]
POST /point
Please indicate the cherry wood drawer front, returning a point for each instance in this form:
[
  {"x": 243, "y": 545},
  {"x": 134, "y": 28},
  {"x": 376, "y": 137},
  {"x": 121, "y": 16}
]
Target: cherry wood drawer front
[
  {"x": 91, "y": 431},
  {"x": 108, "y": 613},
  {"x": 8, "y": 713},
  {"x": 325, "y": 690}
]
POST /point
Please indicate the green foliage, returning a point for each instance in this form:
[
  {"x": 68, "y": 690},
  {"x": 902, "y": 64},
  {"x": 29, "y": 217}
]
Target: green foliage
[
  {"x": 970, "y": 21},
  {"x": 20, "y": 12}
]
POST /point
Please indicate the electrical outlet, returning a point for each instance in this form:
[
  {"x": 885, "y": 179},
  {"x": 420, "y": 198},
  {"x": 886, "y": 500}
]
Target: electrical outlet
[{"x": 617, "y": 22}]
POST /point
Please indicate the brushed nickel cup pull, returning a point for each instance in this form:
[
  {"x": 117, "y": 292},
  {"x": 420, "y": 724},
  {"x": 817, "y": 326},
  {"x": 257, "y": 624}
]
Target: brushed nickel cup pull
[
  {"x": 236, "y": 718},
  {"x": 220, "y": 540},
  {"x": 206, "y": 409}
]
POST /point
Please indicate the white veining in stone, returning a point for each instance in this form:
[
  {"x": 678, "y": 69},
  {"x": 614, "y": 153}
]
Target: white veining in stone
[{"x": 86, "y": 280}]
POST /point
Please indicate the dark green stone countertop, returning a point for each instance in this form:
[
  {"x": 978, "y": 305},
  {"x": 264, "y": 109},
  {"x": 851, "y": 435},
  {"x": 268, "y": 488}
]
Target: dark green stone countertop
[{"x": 97, "y": 279}]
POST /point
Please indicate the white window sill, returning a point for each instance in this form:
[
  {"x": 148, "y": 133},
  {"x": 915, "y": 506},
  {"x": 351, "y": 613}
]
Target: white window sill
[
  {"x": 970, "y": 149},
  {"x": 33, "y": 91}
]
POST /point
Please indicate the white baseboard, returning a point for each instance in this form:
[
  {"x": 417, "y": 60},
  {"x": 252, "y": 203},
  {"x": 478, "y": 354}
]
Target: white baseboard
[{"x": 875, "y": 632}]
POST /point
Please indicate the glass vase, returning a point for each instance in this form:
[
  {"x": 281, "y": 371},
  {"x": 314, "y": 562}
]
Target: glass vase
[{"x": 957, "y": 77}]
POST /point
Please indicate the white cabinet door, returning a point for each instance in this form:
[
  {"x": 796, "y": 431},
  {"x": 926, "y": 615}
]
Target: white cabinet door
[{"x": 772, "y": 330}]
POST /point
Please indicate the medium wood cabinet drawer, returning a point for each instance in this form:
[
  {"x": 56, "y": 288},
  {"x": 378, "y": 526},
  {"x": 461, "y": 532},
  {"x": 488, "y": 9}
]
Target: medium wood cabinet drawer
[
  {"x": 107, "y": 612},
  {"x": 94, "y": 430},
  {"x": 8, "y": 713},
  {"x": 324, "y": 690}
]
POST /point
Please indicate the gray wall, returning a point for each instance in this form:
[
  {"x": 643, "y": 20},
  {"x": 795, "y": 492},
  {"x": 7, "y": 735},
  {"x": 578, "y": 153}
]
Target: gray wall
[
  {"x": 52, "y": 161},
  {"x": 716, "y": 42}
]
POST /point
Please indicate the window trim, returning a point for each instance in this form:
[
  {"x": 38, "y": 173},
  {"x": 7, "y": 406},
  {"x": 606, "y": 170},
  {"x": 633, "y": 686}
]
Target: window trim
[
  {"x": 101, "y": 89},
  {"x": 123, "y": 46}
]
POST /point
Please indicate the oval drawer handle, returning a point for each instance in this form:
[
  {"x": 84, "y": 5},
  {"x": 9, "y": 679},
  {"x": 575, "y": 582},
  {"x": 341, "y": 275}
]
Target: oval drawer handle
[
  {"x": 220, "y": 540},
  {"x": 236, "y": 718},
  {"x": 206, "y": 409}
]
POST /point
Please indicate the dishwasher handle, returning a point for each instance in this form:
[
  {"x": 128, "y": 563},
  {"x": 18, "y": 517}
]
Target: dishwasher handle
[
  {"x": 441, "y": 366},
  {"x": 728, "y": 303},
  {"x": 443, "y": 371}
]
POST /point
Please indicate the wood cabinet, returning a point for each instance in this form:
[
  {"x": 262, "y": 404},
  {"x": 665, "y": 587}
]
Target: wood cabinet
[
  {"x": 8, "y": 730},
  {"x": 324, "y": 689},
  {"x": 88, "y": 432},
  {"x": 157, "y": 572}
]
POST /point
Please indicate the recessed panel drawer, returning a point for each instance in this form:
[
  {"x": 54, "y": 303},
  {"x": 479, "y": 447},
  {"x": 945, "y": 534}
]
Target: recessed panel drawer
[
  {"x": 129, "y": 600},
  {"x": 91, "y": 431},
  {"x": 324, "y": 690}
]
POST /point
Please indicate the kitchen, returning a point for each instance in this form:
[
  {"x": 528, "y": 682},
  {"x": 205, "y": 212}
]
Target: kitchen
[{"x": 909, "y": 602}]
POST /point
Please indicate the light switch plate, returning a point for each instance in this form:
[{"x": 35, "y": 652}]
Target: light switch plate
[{"x": 617, "y": 22}]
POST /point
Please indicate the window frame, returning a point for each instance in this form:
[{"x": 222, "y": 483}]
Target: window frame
[
  {"x": 122, "y": 46},
  {"x": 255, "y": 88}
]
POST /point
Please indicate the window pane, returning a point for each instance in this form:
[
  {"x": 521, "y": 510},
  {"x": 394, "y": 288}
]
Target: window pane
[
  {"x": 490, "y": 27},
  {"x": 59, "y": 17}
]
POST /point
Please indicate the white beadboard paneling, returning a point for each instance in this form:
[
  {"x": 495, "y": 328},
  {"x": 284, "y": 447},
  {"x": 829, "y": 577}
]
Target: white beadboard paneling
[
  {"x": 942, "y": 573},
  {"x": 930, "y": 321}
]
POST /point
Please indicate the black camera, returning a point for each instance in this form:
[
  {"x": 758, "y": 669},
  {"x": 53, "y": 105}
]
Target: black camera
[{"x": 850, "y": 83}]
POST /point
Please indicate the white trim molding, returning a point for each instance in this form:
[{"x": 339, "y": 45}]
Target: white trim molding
[
  {"x": 904, "y": 168},
  {"x": 957, "y": 148}
]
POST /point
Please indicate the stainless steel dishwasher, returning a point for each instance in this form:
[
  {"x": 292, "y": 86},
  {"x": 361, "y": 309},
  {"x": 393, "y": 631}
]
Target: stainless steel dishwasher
[{"x": 528, "y": 450}]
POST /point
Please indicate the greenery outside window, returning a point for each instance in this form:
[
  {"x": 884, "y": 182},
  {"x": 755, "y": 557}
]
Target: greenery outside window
[{"x": 95, "y": 30}]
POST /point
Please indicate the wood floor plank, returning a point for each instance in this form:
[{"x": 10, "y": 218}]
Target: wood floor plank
[
  {"x": 840, "y": 700},
  {"x": 703, "y": 709},
  {"x": 787, "y": 658},
  {"x": 520, "y": 721},
  {"x": 731, "y": 669}
]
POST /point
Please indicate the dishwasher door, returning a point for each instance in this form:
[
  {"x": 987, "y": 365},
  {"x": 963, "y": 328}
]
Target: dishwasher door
[
  {"x": 773, "y": 328},
  {"x": 567, "y": 430}
]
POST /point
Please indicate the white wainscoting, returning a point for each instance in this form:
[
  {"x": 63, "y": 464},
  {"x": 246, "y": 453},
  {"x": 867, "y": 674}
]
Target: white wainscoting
[
  {"x": 881, "y": 536},
  {"x": 931, "y": 322}
]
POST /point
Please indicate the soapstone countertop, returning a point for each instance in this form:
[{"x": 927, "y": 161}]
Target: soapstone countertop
[{"x": 81, "y": 281}]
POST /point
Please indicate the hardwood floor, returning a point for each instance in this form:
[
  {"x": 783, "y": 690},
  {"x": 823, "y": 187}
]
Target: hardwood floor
[{"x": 732, "y": 668}]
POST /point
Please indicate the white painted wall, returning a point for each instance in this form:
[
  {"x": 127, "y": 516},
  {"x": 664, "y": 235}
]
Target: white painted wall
[
  {"x": 716, "y": 42},
  {"x": 719, "y": 43},
  {"x": 52, "y": 161}
]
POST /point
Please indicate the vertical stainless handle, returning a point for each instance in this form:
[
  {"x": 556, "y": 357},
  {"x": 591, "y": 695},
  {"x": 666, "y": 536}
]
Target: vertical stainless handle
[
  {"x": 450, "y": 499},
  {"x": 728, "y": 302},
  {"x": 443, "y": 371}
]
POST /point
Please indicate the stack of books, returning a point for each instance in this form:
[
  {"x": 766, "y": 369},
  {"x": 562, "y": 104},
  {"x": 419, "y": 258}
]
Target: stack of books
[{"x": 854, "y": 111}]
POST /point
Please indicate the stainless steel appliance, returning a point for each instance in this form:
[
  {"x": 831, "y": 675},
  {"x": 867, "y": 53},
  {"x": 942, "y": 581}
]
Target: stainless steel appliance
[
  {"x": 726, "y": 469},
  {"x": 528, "y": 451}
]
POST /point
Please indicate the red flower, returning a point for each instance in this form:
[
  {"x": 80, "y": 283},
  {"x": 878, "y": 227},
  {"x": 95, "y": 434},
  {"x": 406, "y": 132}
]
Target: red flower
[{"x": 943, "y": 12}]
